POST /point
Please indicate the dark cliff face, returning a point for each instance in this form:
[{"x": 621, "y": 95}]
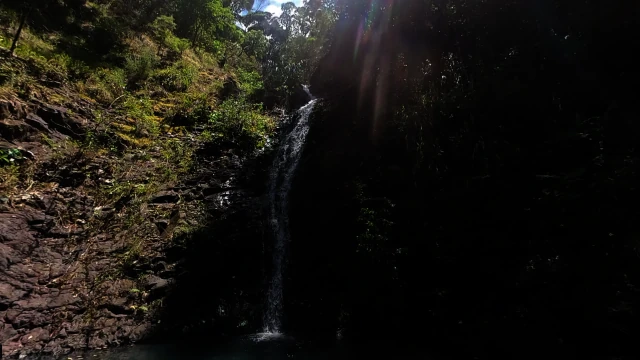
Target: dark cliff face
[{"x": 462, "y": 184}]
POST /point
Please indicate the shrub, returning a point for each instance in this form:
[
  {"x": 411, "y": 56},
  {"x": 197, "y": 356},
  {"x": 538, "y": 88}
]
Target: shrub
[
  {"x": 176, "y": 44},
  {"x": 240, "y": 123},
  {"x": 141, "y": 61},
  {"x": 162, "y": 29},
  {"x": 178, "y": 77},
  {"x": 9, "y": 178},
  {"x": 178, "y": 158},
  {"x": 192, "y": 109},
  {"x": 14, "y": 75},
  {"x": 68, "y": 66},
  {"x": 57, "y": 67},
  {"x": 140, "y": 110},
  {"x": 9, "y": 156},
  {"x": 250, "y": 82},
  {"x": 106, "y": 85},
  {"x": 31, "y": 45},
  {"x": 162, "y": 26}
]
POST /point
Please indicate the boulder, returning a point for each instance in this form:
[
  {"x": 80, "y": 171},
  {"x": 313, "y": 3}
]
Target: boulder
[
  {"x": 156, "y": 286},
  {"x": 229, "y": 88},
  {"x": 165, "y": 197}
]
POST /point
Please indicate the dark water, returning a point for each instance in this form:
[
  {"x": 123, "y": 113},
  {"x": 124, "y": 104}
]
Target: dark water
[{"x": 247, "y": 348}]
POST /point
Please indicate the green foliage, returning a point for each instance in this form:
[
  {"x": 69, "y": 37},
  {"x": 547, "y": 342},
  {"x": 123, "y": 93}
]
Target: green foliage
[
  {"x": 106, "y": 85},
  {"x": 31, "y": 45},
  {"x": 69, "y": 67},
  {"x": 238, "y": 5},
  {"x": 178, "y": 158},
  {"x": 140, "y": 110},
  {"x": 9, "y": 177},
  {"x": 204, "y": 21},
  {"x": 178, "y": 77},
  {"x": 176, "y": 44},
  {"x": 9, "y": 156},
  {"x": 250, "y": 81},
  {"x": 297, "y": 43},
  {"x": 240, "y": 123},
  {"x": 141, "y": 62},
  {"x": 163, "y": 29},
  {"x": 255, "y": 44},
  {"x": 193, "y": 108}
]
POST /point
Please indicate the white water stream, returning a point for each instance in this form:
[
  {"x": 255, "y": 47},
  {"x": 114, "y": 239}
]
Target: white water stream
[{"x": 282, "y": 173}]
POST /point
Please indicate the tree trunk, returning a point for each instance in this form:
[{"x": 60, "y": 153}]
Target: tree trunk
[
  {"x": 196, "y": 35},
  {"x": 23, "y": 20}
]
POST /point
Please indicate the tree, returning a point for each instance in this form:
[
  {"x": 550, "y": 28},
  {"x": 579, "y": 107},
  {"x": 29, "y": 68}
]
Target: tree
[
  {"x": 203, "y": 21},
  {"x": 255, "y": 44},
  {"x": 238, "y": 5},
  {"x": 258, "y": 20},
  {"x": 23, "y": 20},
  {"x": 287, "y": 17}
]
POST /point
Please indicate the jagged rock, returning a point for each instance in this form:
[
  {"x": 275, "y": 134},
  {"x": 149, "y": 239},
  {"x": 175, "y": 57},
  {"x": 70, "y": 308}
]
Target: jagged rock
[
  {"x": 9, "y": 295},
  {"x": 11, "y": 315},
  {"x": 11, "y": 108},
  {"x": 7, "y": 331},
  {"x": 156, "y": 286},
  {"x": 13, "y": 130},
  {"x": 104, "y": 212},
  {"x": 118, "y": 307},
  {"x": 155, "y": 283},
  {"x": 59, "y": 118},
  {"x": 162, "y": 225},
  {"x": 159, "y": 266},
  {"x": 36, "y": 122}
]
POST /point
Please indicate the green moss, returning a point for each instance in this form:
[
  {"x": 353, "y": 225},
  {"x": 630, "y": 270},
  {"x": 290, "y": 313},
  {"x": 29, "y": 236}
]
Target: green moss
[{"x": 123, "y": 127}]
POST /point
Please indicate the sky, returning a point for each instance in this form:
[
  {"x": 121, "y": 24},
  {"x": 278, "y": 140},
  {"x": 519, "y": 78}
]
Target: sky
[{"x": 274, "y": 6}]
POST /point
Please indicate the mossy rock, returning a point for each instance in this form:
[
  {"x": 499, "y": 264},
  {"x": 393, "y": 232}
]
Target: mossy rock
[
  {"x": 134, "y": 142},
  {"x": 124, "y": 127}
]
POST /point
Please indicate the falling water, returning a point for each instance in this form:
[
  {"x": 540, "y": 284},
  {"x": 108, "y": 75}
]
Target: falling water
[{"x": 282, "y": 172}]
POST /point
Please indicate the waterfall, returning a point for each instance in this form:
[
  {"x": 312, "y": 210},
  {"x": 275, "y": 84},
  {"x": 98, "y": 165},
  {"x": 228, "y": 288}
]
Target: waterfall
[{"x": 283, "y": 169}]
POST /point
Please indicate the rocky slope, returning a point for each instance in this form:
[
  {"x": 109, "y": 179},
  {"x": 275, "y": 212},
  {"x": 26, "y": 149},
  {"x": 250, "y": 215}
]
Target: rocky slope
[{"x": 93, "y": 241}]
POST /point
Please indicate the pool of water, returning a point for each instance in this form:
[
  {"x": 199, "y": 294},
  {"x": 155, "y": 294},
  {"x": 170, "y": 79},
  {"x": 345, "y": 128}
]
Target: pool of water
[{"x": 259, "y": 346}]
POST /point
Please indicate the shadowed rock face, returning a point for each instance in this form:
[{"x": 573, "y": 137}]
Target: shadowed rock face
[
  {"x": 45, "y": 288},
  {"x": 52, "y": 300}
]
